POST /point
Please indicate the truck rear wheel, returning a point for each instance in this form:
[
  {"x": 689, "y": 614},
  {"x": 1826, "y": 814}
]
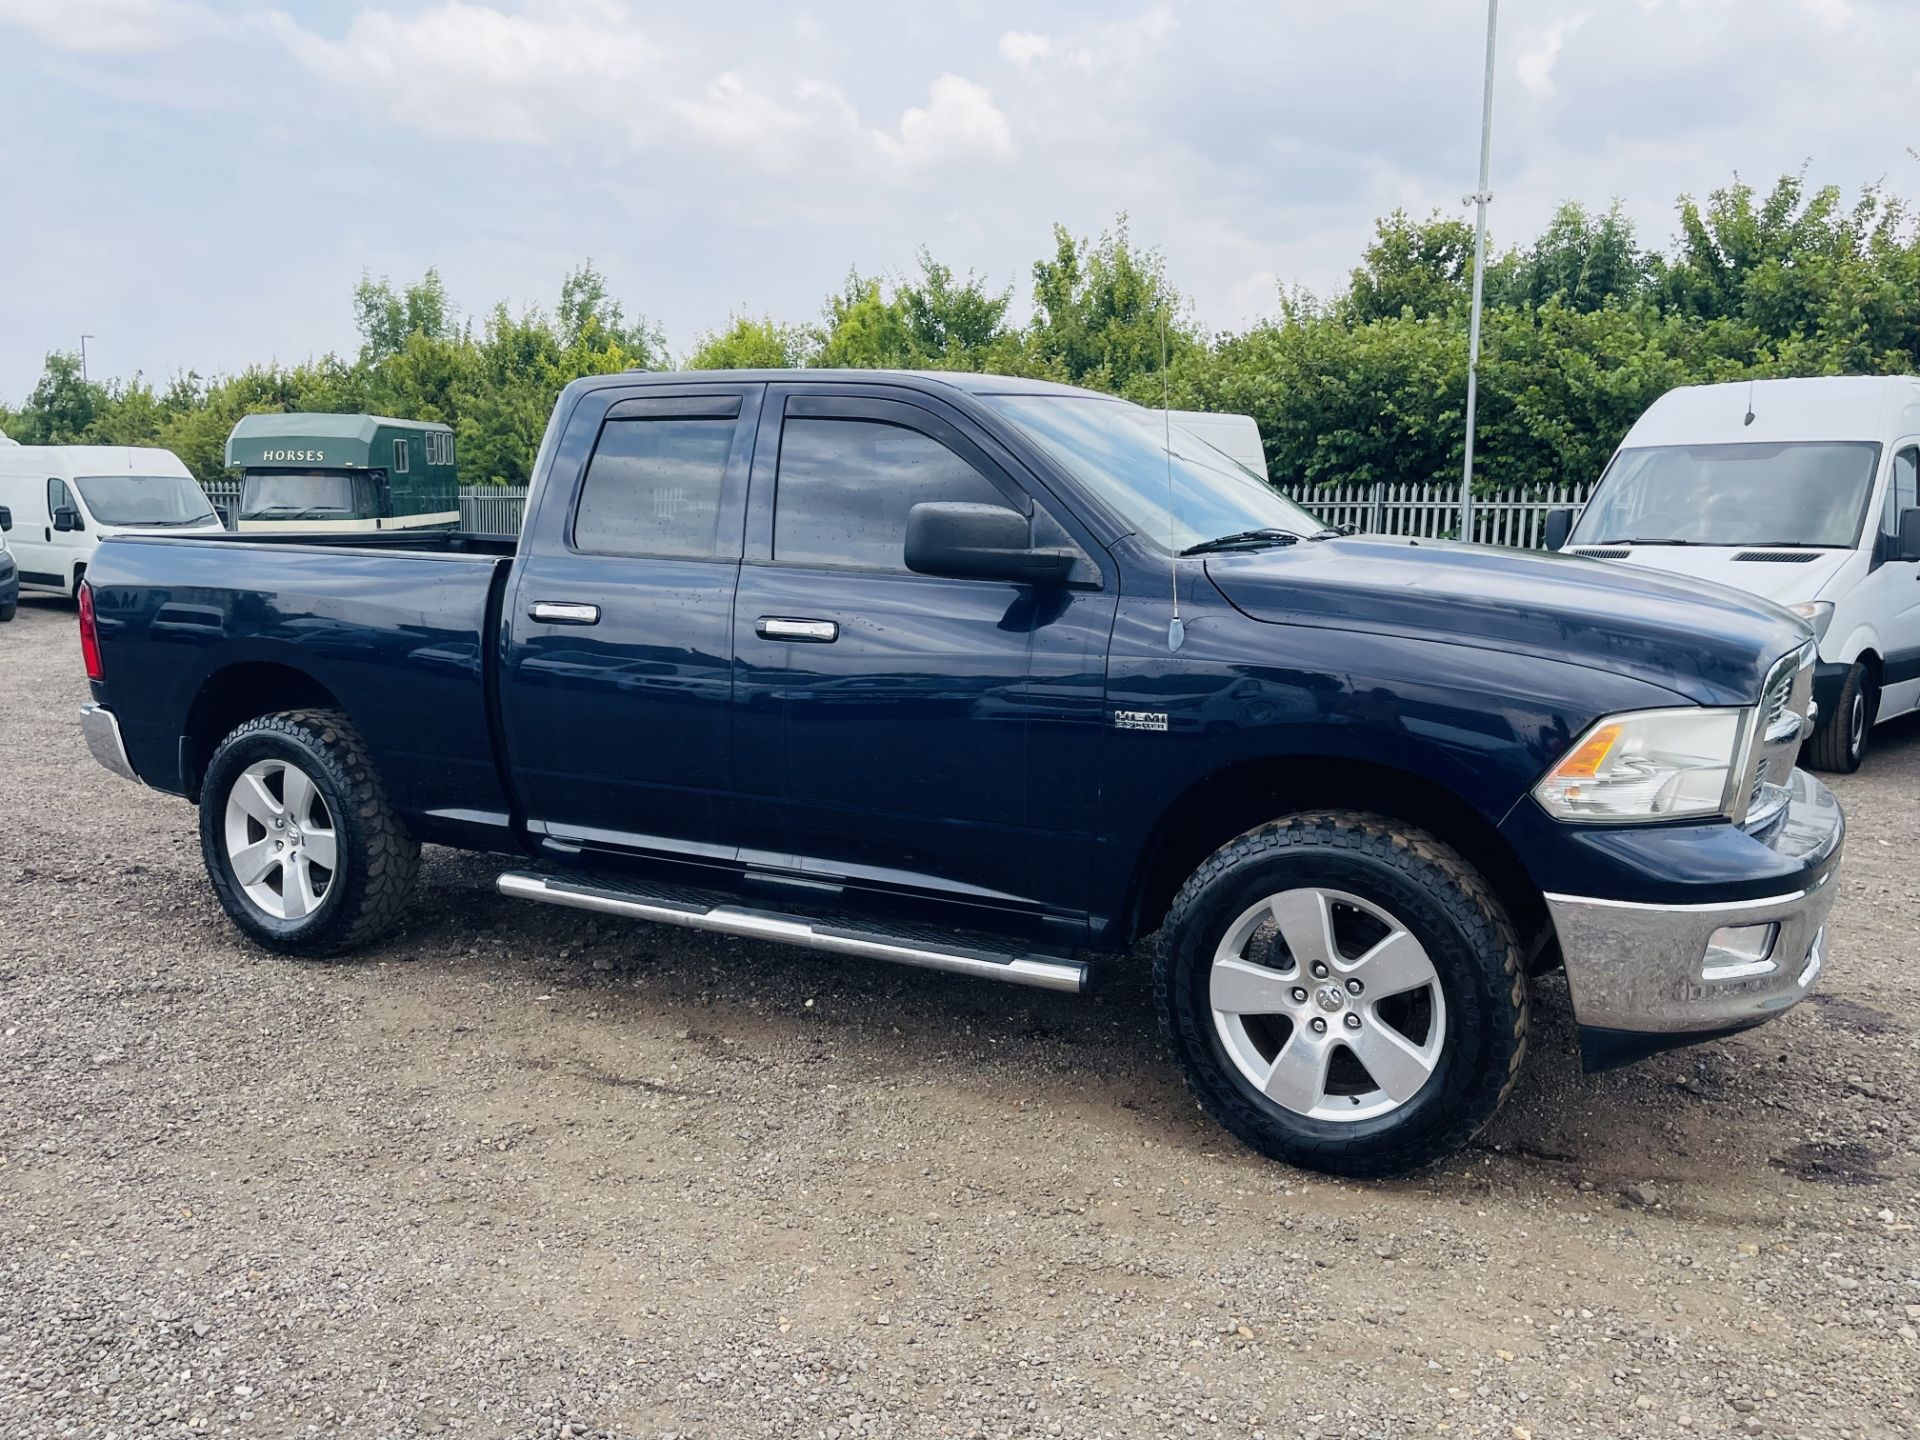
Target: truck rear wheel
[
  {"x": 306, "y": 855},
  {"x": 1344, "y": 993},
  {"x": 1840, "y": 744}
]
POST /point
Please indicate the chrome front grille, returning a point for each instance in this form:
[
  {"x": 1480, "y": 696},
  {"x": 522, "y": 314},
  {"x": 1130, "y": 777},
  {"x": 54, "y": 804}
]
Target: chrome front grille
[{"x": 1782, "y": 720}]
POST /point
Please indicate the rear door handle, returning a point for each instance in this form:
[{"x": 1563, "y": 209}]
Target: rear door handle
[
  {"x": 777, "y": 627},
  {"x": 563, "y": 612}
]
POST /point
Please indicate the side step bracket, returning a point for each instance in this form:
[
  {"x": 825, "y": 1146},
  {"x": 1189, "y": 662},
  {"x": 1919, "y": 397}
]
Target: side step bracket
[{"x": 697, "y": 913}]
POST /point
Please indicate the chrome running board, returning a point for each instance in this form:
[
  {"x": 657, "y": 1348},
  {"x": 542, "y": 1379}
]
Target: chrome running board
[{"x": 694, "y": 911}]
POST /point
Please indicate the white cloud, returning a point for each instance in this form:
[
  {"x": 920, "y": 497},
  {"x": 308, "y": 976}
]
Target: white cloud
[
  {"x": 108, "y": 27},
  {"x": 1124, "y": 42},
  {"x": 1023, "y": 47},
  {"x": 959, "y": 121},
  {"x": 1535, "y": 66},
  {"x": 464, "y": 69},
  {"x": 1835, "y": 14}
]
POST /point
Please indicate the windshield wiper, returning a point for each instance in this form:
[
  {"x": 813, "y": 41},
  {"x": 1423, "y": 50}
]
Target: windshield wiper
[
  {"x": 1636, "y": 540},
  {"x": 196, "y": 520},
  {"x": 1243, "y": 539}
]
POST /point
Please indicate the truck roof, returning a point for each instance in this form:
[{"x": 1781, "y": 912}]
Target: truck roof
[
  {"x": 1830, "y": 407},
  {"x": 966, "y": 380}
]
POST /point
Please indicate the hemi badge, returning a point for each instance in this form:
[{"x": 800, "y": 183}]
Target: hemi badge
[{"x": 1140, "y": 720}]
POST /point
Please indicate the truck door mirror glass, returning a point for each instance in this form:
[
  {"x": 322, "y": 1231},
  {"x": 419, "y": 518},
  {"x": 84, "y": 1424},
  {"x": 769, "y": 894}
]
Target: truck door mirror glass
[
  {"x": 1910, "y": 534},
  {"x": 66, "y": 518},
  {"x": 979, "y": 542},
  {"x": 1559, "y": 525},
  {"x": 6, "y": 518}
]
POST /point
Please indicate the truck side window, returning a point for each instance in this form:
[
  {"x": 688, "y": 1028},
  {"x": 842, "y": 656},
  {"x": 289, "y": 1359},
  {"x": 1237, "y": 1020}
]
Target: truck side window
[
  {"x": 653, "y": 488},
  {"x": 845, "y": 486},
  {"x": 59, "y": 497},
  {"x": 1901, "y": 493}
]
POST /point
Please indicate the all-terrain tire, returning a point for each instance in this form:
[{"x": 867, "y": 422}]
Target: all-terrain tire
[
  {"x": 1840, "y": 742},
  {"x": 1440, "y": 899},
  {"x": 377, "y": 857}
]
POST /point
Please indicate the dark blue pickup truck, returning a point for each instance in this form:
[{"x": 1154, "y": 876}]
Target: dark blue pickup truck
[{"x": 1000, "y": 677}]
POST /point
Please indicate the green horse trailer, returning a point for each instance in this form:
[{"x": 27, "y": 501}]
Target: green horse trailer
[{"x": 344, "y": 472}]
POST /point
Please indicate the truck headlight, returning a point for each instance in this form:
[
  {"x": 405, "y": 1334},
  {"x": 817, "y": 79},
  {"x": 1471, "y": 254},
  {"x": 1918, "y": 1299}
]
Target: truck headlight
[
  {"x": 1817, "y": 613},
  {"x": 1648, "y": 765}
]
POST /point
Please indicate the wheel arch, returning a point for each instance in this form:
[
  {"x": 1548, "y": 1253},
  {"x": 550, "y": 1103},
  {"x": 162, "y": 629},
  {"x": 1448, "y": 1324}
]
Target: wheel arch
[
  {"x": 235, "y": 694},
  {"x": 1235, "y": 799}
]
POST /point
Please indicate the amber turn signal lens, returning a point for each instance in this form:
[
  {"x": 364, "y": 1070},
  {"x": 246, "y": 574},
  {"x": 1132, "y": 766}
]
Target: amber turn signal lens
[{"x": 1587, "y": 758}]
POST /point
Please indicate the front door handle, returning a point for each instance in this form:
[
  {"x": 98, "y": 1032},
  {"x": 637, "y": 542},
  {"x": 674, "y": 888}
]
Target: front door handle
[
  {"x": 563, "y": 612},
  {"x": 776, "y": 627}
]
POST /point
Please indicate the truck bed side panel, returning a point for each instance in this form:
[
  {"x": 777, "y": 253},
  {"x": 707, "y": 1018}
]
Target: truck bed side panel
[{"x": 397, "y": 638}]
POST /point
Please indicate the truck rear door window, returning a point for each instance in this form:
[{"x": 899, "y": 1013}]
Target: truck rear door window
[
  {"x": 845, "y": 487},
  {"x": 653, "y": 488}
]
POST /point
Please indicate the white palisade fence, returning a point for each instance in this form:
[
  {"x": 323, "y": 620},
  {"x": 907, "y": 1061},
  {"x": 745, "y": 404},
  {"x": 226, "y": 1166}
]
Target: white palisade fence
[{"x": 1507, "y": 517}]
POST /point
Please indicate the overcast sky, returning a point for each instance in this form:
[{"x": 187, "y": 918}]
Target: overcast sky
[{"x": 199, "y": 183}]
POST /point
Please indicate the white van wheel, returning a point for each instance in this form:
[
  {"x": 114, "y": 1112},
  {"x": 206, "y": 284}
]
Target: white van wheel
[{"x": 1840, "y": 744}]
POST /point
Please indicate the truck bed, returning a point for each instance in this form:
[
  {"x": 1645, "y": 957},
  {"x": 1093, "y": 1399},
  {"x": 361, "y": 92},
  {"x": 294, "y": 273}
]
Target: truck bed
[{"x": 394, "y": 629}]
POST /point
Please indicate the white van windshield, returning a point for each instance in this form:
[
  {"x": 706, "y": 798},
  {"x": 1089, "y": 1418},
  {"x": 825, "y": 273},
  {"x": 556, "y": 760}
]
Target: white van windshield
[
  {"x": 1120, "y": 452},
  {"x": 1804, "y": 493},
  {"x": 144, "y": 499}
]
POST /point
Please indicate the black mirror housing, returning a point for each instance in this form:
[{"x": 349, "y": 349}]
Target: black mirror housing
[
  {"x": 6, "y": 518},
  {"x": 1910, "y": 534},
  {"x": 979, "y": 542},
  {"x": 66, "y": 518},
  {"x": 1558, "y": 526}
]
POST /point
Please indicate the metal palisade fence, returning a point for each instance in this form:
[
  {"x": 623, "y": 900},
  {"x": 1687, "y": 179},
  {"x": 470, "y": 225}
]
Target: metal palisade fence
[
  {"x": 1506, "y": 517},
  {"x": 1509, "y": 517}
]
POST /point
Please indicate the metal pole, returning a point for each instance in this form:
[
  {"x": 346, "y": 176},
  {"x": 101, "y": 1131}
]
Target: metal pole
[
  {"x": 1480, "y": 199},
  {"x": 83, "y": 358}
]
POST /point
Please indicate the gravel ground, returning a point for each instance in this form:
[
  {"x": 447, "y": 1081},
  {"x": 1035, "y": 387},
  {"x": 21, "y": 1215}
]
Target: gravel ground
[{"x": 520, "y": 1174}]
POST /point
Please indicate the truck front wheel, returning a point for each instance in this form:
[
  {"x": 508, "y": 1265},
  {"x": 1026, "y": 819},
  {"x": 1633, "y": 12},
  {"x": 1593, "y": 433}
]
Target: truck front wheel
[
  {"x": 306, "y": 855},
  {"x": 1344, "y": 993}
]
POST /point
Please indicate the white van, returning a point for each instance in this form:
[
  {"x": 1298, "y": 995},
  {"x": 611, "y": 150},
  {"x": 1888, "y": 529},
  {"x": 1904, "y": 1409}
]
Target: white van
[
  {"x": 1802, "y": 491},
  {"x": 1235, "y": 436},
  {"x": 64, "y": 498}
]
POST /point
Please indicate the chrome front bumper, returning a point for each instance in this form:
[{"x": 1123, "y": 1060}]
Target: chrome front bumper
[
  {"x": 1680, "y": 970},
  {"x": 103, "y": 739}
]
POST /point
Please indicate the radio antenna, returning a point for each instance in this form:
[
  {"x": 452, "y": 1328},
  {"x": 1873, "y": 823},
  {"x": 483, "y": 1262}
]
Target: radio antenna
[
  {"x": 1176, "y": 631},
  {"x": 1749, "y": 419}
]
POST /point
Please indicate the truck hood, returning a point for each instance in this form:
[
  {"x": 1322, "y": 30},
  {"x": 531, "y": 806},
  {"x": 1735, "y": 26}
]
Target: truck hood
[
  {"x": 1706, "y": 642},
  {"x": 1784, "y": 581}
]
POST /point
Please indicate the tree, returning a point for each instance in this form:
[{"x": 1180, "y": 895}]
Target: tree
[
  {"x": 1419, "y": 269},
  {"x": 1102, "y": 312},
  {"x": 748, "y": 344},
  {"x": 1581, "y": 260}
]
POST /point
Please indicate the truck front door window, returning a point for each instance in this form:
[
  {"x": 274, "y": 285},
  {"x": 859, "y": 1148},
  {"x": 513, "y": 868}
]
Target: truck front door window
[
  {"x": 653, "y": 488},
  {"x": 845, "y": 488}
]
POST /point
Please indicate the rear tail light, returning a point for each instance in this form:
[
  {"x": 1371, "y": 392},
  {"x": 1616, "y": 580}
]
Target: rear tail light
[{"x": 90, "y": 635}]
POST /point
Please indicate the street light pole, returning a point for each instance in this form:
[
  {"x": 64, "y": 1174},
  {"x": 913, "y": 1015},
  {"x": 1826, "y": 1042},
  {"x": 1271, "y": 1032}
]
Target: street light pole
[
  {"x": 1479, "y": 199},
  {"x": 83, "y": 358}
]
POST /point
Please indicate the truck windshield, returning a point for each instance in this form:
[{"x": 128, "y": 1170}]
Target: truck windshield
[
  {"x": 1808, "y": 493},
  {"x": 1120, "y": 452},
  {"x": 296, "y": 493},
  {"x": 144, "y": 499}
]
